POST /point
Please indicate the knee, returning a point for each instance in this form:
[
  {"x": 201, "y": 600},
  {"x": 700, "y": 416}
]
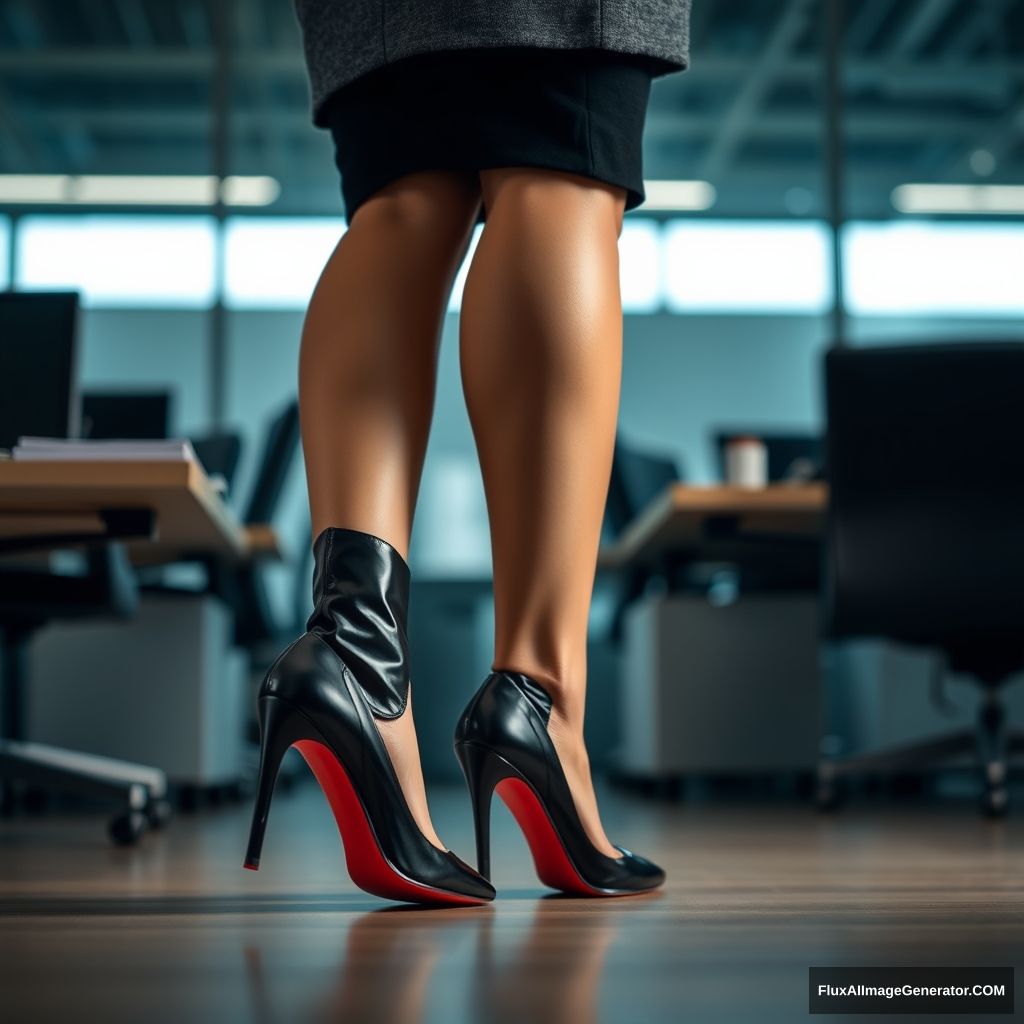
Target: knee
[
  {"x": 430, "y": 205},
  {"x": 532, "y": 194}
]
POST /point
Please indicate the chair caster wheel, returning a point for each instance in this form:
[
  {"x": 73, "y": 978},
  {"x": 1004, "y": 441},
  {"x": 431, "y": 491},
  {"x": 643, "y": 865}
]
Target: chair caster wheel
[
  {"x": 996, "y": 802},
  {"x": 159, "y": 813},
  {"x": 127, "y": 828},
  {"x": 828, "y": 800},
  {"x": 35, "y": 799},
  {"x": 188, "y": 799},
  {"x": 828, "y": 795}
]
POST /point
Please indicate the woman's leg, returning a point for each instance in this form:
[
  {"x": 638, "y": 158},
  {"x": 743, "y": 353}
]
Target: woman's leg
[
  {"x": 541, "y": 354},
  {"x": 367, "y": 374}
]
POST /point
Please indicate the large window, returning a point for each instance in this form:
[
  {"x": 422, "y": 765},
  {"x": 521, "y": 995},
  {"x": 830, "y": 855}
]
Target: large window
[
  {"x": 5, "y": 249},
  {"x": 641, "y": 266},
  {"x": 120, "y": 260},
  {"x": 684, "y": 265},
  {"x": 272, "y": 263},
  {"x": 746, "y": 266},
  {"x": 927, "y": 268}
]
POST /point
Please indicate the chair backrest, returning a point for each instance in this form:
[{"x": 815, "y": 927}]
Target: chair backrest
[
  {"x": 219, "y": 454},
  {"x": 279, "y": 448},
  {"x": 637, "y": 478},
  {"x": 925, "y": 534},
  {"x": 254, "y": 619}
]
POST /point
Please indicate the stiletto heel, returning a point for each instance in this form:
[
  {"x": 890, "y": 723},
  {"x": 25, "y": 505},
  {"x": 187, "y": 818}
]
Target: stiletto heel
[
  {"x": 280, "y": 727},
  {"x": 502, "y": 743},
  {"x": 483, "y": 770},
  {"x": 323, "y": 696}
]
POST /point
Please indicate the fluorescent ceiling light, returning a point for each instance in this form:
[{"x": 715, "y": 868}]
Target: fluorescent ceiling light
[
  {"x": 33, "y": 188},
  {"x": 984, "y": 199},
  {"x": 137, "y": 189},
  {"x": 251, "y": 190},
  {"x": 679, "y": 195}
]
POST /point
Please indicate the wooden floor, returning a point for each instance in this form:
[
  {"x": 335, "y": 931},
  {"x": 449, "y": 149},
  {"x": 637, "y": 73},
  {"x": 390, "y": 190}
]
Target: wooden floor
[{"x": 176, "y": 930}]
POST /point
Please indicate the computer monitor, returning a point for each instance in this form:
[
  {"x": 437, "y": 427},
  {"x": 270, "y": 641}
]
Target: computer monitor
[
  {"x": 143, "y": 415},
  {"x": 38, "y": 365}
]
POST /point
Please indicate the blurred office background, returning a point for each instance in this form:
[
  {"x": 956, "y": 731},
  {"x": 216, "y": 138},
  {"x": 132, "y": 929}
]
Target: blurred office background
[{"x": 730, "y": 287}]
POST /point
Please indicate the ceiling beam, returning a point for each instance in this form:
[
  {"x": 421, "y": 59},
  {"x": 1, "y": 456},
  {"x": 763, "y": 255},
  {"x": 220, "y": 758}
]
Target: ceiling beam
[
  {"x": 21, "y": 148},
  {"x": 23, "y": 24},
  {"x": 863, "y": 27},
  {"x": 985, "y": 21},
  {"x": 922, "y": 23},
  {"x": 135, "y": 23},
  {"x": 661, "y": 124},
  {"x": 998, "y": 136},
  {"x": 754, "y": 88},
  {"x": 117, "y": 62},
  {"x": 195, "y": 23}
]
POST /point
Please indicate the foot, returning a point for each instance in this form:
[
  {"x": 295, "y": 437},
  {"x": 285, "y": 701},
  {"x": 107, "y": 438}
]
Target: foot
[
  {"x": 399, "y": 736},
  {"x": 567, "y": 737}
]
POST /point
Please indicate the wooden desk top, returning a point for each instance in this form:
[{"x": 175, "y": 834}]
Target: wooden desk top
[
  {"x": 675, "y": 520},
  {"x": 262, "y": 541},
  {"x": 41, "y": 497}
]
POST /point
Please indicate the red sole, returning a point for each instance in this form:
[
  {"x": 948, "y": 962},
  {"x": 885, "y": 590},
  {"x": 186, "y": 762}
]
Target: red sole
[
  {"x": 554, "y": 868},
  {"x": 367, "y": 866}
]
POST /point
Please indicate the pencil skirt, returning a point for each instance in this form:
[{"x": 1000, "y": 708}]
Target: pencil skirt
[{"x": 579, "y": 111}]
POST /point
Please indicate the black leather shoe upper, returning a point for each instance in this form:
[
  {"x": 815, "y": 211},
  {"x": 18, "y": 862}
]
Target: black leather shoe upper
[
  {"x": 360, "y": 607},
  {"x": 509, "y": 715},
  {"x": 350, "y": 667},
  {"x": 312, "y": 679}
]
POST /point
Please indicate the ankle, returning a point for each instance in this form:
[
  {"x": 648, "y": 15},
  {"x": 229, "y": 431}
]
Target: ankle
[{"x": 567, "y": 693}]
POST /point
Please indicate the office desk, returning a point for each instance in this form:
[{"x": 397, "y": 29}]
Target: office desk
[
  {"x": 162, "y": 512},
  {"x": 262, "y": 542},
  {"x": 709, "y": 521},
  {"x": 190, "y": 516},
  {"x": 720, "y": 688}
]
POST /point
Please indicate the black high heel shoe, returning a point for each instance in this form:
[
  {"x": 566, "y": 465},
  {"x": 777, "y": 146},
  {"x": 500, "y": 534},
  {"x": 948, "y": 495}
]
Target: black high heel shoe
[
  {"x": 321, "y": 695},
  {"x": 503, "y": 745}
]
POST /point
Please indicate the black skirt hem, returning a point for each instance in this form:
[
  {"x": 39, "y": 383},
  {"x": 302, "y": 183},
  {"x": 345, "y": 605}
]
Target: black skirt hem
[{"x": 581, "y": 112}]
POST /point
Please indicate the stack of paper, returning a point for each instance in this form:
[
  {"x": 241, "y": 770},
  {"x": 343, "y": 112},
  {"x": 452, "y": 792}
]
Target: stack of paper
[{"x": 54, "y": 449}]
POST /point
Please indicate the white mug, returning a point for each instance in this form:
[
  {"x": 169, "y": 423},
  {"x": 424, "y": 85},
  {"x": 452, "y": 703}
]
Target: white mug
[{"x": 746, "y": 462}]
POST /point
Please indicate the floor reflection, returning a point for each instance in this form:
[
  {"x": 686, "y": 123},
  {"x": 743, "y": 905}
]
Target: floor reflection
[
  {"x": 382, "y": 974},
  {"x": 551, "y": 975},
  {"x": 543, "y": 963}
]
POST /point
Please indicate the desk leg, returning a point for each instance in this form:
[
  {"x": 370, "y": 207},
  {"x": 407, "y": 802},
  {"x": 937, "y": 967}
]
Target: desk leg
[{"x": 13, "y": 666}]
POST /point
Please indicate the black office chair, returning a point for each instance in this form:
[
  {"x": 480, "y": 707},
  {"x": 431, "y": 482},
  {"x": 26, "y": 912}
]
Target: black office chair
[
  {"x": 925, "y": 531},
  {"x": 281, "y": 443},
  {"x": 254, "y": 620},
  {"x": 241, "y": 586},
  {"x": 219, "y": 454},
  {"x": 637, "y": 478},
  {"x": 39, "y": 396},
  {"x": 29, "y": 599}
]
